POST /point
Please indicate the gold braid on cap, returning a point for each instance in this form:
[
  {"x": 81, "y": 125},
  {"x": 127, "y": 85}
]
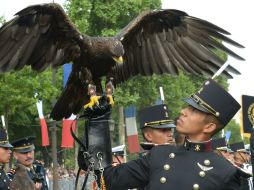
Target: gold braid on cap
[
  {"x": 22, "y": 147},
  {"x": 242, "y": 149},
  {"x": 221, "y": 148},
  {"x": 161, "y": 122},
  {"x": 203, "y": 104},
  {"x": 3, "y": 142}
]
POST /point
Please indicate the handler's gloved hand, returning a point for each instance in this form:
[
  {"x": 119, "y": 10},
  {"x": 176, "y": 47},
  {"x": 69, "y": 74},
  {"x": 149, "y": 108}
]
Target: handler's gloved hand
[
  {"x": 97, "y": 136},
  {"x": 98, "y": 110}
]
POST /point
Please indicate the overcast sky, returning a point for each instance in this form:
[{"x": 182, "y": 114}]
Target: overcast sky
[
  {"x": 232, "y": 15},
  {"x": 236, "y": 17}
]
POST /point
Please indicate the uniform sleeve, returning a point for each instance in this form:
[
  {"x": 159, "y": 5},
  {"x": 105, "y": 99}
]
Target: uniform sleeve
[
  {"x": 133, "y": 174},
  {"x": 233, "y": 183}
]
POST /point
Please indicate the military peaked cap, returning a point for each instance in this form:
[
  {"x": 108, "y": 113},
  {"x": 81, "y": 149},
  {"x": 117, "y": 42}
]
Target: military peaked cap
[
  {"x": 213, "y": 99},
  {"x": 24, "y": 145},
  {"x": 239, "y": 147},
  {"x": 157, "y": 116},
  {"x": 4, "y": 140},
  {"x": 220, "y": 144}
]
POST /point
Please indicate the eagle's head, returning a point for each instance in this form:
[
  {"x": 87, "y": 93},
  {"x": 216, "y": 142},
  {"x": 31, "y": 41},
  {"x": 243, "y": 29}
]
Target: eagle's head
[
  {"x": 105, "y": 48},
  {"x": 116, "y": 50}
]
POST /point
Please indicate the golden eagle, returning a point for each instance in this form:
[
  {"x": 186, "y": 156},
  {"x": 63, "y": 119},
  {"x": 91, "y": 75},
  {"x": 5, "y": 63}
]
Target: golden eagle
[{"x": 155, "y": 42}]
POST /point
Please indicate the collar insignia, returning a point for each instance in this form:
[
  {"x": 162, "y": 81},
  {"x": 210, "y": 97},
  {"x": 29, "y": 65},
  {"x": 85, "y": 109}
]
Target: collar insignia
[{"x": 197, "y": 147}]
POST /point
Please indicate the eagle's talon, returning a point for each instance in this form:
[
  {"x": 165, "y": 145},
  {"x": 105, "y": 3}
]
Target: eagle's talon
[
  {"x": 94, "y": 100},
  {"x": 111, "y": 99}
]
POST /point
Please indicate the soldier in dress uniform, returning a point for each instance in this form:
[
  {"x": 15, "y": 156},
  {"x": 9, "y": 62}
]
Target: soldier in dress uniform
[
  {"x": 5, "y": 154},
  {"x": 220, "y": 147},
  {"x": 23, "y": 152},
  {"x": 156, "y": 126},
  {"x": 242, "y": 156},
  {"x": 118, "y": 155},
  {"x": 193, "y": 165},
  {"x": 242, "y": 160}
]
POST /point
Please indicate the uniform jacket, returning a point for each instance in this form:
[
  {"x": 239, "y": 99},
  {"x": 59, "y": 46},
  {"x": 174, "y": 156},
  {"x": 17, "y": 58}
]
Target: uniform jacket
[
  {"x": 36, "y": 174},
  {"x": 191, "y": 166},
  {"x": 4, "y": 180},
  {"x": 21, "y": 179},
  {"x": 246, "y": 179}
]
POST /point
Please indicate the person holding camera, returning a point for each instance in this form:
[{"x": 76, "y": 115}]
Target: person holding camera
[{"x": 26, "y": 167}]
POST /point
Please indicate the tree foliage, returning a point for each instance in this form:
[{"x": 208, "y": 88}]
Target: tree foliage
[
  {"x": 92, "y": 17},
  {"x": 106, "y": 18}
]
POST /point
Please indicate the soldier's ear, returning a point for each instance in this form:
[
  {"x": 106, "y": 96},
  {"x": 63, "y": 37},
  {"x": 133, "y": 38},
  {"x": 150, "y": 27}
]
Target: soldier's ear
[
  {"x": 210, "y": 128},
  {"x": 148, "y": 135},
  {"x": 15, "y": 155}
]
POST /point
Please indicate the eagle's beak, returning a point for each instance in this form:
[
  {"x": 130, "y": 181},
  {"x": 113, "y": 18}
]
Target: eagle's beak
[{"x": 119, "y": 60}]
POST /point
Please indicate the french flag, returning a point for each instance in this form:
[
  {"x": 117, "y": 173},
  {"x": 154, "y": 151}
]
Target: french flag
[
  {"x": 67, "y": 139},
  {"x": 131, "y": 129},
  {"x": 44, "y": 127}
]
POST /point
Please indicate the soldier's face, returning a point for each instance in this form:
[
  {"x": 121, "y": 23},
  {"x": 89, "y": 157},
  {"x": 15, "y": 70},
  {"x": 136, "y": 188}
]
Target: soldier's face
[
  {"x": 116, "y": 160},
  {"x": 5, "y": 154},
  {"x": 191, "y": 122},
  {"x": 26, "y": 159},
  {"x": 160, "y": 136}
]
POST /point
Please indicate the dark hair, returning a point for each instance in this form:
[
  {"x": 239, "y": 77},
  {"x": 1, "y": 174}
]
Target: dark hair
[
  {"x": 144, "y": 130},
  {"x": 212, "y": 119}
]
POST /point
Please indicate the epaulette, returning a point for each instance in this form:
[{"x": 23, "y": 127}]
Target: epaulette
[{"x": 244, "y": 173}]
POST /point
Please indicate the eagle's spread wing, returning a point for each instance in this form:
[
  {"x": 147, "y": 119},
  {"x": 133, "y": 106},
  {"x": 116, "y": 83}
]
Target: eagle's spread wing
[
  {"x": 43, "y": 35},
  {"x": 167, "y": 41},
  {"x": 39, "y": 35}
]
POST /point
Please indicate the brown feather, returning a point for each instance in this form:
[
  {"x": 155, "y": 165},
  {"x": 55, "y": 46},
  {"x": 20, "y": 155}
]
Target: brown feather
[{"x": 155, "y": 42}]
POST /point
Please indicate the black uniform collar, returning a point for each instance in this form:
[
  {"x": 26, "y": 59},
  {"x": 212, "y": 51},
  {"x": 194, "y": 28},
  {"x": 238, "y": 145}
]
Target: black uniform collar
[{"x": 198, "y": 146}]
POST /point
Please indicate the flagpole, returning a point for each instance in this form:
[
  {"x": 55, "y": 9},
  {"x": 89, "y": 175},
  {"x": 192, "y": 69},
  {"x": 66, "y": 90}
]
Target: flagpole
[
  {"x": 162, "y": 94},
  {"x": 3, "y": 122},
  {"x": 220, "y": 70},
  {"x": 54, "y": 139}
]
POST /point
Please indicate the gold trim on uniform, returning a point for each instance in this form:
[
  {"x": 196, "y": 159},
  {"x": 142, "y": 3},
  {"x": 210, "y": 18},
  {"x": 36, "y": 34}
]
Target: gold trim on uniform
[
  {"x": 196, "y": 186},
  {"x": 172, "y": 155},
  {"x": 203, "y": 104},
  {"x": 197, "y": 148},
  {"x": 223, "y": 148},
  {"x": 207, "y": 162},
  {"x": 3, "y": 142},
  {"x": 22, "y": 147},
  {"x": 161, "y": 122},
  {"x": 204, "y": 168},
  {"x": 163, "y": 180},
  {"x": 166, "y": 167},
  {"x": 202, "y": 174},
  {"x": 251, "y": 113}
]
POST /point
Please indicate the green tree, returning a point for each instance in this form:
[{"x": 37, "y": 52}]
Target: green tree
[
  {"x": 234, "y": 127},
  {"x": 18, "y": 104},
  {"x": 93, "y": 17},
  {"x": 2, "y": 20},
  {"x": 106, "y": 18}
]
